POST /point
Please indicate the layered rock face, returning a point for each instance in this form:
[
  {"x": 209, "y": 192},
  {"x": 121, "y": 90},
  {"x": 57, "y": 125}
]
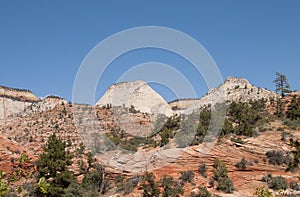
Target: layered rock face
[
  {"x": 18, "y": 94},
  {"x": 16, "y": 102},
  {"x": 137, "y": 94}
]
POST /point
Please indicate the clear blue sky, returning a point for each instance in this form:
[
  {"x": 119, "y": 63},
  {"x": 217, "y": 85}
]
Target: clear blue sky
[{"x": 42, "y": 43}]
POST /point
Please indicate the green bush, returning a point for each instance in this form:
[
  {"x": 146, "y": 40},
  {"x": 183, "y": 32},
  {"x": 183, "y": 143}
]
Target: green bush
[
  {"x": 294, "y": 186},
  {"x": 225, "y": 185},
  {"x": 294, "y": 163},
  {"x": 278, "y": 183},
  {"x": 293, "y": 111},
  {"x": 170, "y": 187},
  {"x": 277, "y": 157},
  {"x": 242, "y": 165},
  {"x": 221, "y": 176},
  {"x": 292, "y": 124},
  {"x": 94, "y": 180},
  {"x": 150, "y": 188},
  {"x": 275, "y": 183},
  {"x": 187, "y": 176},
  {"x": 247, "y": 116},
  {"x": 202, "y": 170},
  {"x": 202, "y": 192}
]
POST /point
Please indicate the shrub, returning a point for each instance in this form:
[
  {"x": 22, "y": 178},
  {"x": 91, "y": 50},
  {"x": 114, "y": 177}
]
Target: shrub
[
  {"x": 293, "y": 111},
  {"x": 262, "y": 192},
  {"x": 220, "y": 169},
  {"x": 292, "y": 124},
  {"x": 150, "y": 188},
  {"x": 187, "y": 176},
  {"x": 294, "y": 186},
  {"x": 202, "y": 192},
  {"x": 202, "y": 170},
  {"x": 170, "y": 187},
  {"x": 225, "y": 185},
  {"x": 3, "y": 187},
  {"x": 275, "y": 183},
  {"x": 278, "y": 183},
  {"x": 119, "y": 180},
  {"x": 277, "y": 157},
  {"x": 296, "y": 155},
  {"x": 220, "y": 175},
  {"x": 242, "y": 165}
]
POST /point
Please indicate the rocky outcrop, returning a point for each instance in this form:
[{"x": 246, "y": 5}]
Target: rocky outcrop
[
  {"x": 233, "y": 89},
  {"x": 137, "y": 94},
  {"x": 16, "y": 102},
  {"x": 18, "y": 94},
  {"x": 239, "y": 89},
  {"x": 182, "y": 104}
]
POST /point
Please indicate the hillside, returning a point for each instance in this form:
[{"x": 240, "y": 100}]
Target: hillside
[
  {"x": 108, "y": 125},
  {"x": 233, "y": 89}
]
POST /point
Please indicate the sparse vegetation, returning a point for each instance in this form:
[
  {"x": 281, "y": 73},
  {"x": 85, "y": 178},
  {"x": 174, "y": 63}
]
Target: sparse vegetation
[
  {"x": 202, "y": 170},
  {"x": 294, "y": 163},
  {"x": 54, "y": 178},
  {"x": 275, "y": 183},
  {"x": 202, "y": 192},
  {"x": 278, "y": 183},
  {"x": 242, "y": 165},
  {"x": 170, "y": 187},
  {"x": 276, "y": 157},
  {"x": 220, "y": 175},
  {"x": 187, "y": 176},
  {"x": 150, "y": 188},
  {"x": 293, "y": 111},
  {"x": 294, "y": 186}
]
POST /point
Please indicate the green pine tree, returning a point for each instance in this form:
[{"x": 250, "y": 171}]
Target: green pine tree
[
  {"x": 282, "y": 84},
  {"x": 53, "y": 167}
]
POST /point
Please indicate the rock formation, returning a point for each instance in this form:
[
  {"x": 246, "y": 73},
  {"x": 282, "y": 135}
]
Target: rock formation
[
  {"x": 17, "y": 102},
  {"x": 233, "y": 89},
  {"x": 137, "y": 94}
]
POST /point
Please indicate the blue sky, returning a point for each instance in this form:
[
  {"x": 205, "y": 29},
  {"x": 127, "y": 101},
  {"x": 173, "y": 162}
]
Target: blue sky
[{"x": 42, "y": 43}]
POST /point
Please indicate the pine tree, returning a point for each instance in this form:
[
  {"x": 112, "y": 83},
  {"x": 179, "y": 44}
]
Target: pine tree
[
  {"x": 53, "y": 166},
  {"x": 282, "y": 85}
]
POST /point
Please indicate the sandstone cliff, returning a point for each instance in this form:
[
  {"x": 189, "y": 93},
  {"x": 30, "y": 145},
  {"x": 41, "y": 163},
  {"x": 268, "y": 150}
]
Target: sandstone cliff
[
  {"x": 138, "y": 94},
  {"x": 17, "y": 102}
]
